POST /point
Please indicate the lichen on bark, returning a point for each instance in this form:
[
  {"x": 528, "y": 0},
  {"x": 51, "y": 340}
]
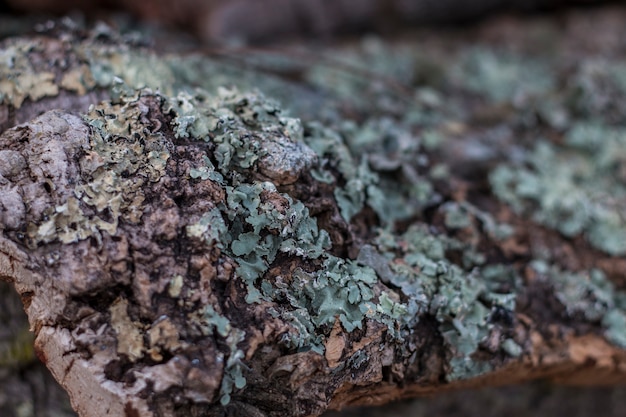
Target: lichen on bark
[{"x": 190, "y": 246}]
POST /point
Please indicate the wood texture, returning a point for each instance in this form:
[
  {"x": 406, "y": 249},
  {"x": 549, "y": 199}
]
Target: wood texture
[{"x": 126, "y": 227}]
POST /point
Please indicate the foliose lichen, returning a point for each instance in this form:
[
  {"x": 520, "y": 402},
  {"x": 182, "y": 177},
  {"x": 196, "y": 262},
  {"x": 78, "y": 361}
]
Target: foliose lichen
[
  {"x": 255, "y": 223},
  {"x": 244, "y": 129},
  {"x": 122, "y": 156},
  {"x": 459, "y": 215},
  {"x": 597, "y": 90},
  {"x": 377, "y": 155},
  {"x": 461, "y": 298},
  {"x": 19, "y": 77},
  {"x": 253, "y": 147},
  {"x": 572, "y": 187},
  {"x": 233, "y": 370},
  {"x": 261, "y": 222},
  {"x": 588, "y": 294}
]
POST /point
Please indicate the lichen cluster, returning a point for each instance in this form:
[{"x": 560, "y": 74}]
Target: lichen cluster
[
  {"x": 433, "y": 250},
  {"x": 249, "y": 142},
  {"x": 252, "y": 141},
  {"x": 381, "y": 163},
  {"x": 20, "y": 78},
  {"x": 120, "y": 159},
  {"x": 591, "y": 295},
  {"x": 464, "y": 299},
  {"x": 572, "y": 188}
]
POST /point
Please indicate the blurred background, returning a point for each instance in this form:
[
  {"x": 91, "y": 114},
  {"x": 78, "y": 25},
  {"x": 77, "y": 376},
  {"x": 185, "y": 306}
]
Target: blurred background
[{"x": 258, "y": 21}]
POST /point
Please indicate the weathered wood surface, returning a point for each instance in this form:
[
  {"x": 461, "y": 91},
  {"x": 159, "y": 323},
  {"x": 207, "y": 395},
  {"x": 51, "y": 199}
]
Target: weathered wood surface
[{"x": 448, "y": 217}]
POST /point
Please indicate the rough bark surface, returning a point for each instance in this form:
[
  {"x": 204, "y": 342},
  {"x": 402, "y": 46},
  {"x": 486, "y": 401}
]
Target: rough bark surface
[{"x": 183, "y": 249}]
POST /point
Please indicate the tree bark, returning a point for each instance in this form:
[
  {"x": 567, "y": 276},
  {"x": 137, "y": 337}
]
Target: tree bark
[{"x": 410, "y": 228}]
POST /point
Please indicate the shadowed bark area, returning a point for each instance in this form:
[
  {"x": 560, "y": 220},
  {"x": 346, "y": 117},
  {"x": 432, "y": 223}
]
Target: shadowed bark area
[{"x": 398, "y": 224}]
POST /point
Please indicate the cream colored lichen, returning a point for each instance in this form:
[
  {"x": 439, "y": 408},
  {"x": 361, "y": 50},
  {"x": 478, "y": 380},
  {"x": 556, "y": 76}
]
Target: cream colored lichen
[
  {"x": 163, "y": 336},
  {"x": 176, "y": 286},
  {"x": 129, "y": 333},
  {"x": 68, "y": 223},
  {"x": 78, "y": 80},
  {"x": 122, "y": 158},
  {"x": 19, "y": 80}
]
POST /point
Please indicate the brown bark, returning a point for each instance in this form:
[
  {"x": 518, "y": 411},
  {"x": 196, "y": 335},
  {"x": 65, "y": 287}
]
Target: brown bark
[
  {"x": 71, "y": 297},
  {"x": 98, "y": 271}
]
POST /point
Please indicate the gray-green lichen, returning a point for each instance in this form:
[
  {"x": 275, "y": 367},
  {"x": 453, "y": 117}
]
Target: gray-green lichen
[
  {"x": 245, "y": 130},
  {"x": 233, "y": 369},
  {"x": 381, "y": 163},
  {"x": 343, "y": 73},
  {"x": 461, "y": 298},
  {"x": 122, "y": 156},
  {"x": 252, "y": 148},
  {"x": 574, "y": 188},
  {"x": 460, "y": 215},
  {"x": 502, "y": 77},
  {"x": 261, "y": 223},
  {"x": 591, "y": 295}
]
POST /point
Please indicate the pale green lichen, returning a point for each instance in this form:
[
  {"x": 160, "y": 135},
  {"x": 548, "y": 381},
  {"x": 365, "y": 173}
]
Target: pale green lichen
[
  {"x": 572, "y": 187},
  {"x": 378, "y": 155},
  {"x": 512, "y": 348},
  {"x": 614, "y": 321},
  {"x": 210, "y": 228},
  {"x": 461, "y": 298},
  {"x": 233, "y": 372},
  {"x": 341, "y": 72},
  {"x": 68, "y": 223},
  {"x": 597, "y": 89},
  {"x": 341, "y": 289},
  {"x": 100, "y": 58},
  {"x": 233, "y": 369},
  {"x": 122, "y": 156},
  {"x": 261, "y": 223},
  {"x": 306, "y": 336},
  {"x": 247, "y": 130},
  {"x": 501, "y": 76},
  {"x": 588, "y": 294},
  {"x": 461, "y": 215},
  {"x": 289, "y": 229},
  {"x": 254, "y": 147}
]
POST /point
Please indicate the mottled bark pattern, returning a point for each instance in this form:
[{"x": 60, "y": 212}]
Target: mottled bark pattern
[{"x": 193, "y": 253}]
